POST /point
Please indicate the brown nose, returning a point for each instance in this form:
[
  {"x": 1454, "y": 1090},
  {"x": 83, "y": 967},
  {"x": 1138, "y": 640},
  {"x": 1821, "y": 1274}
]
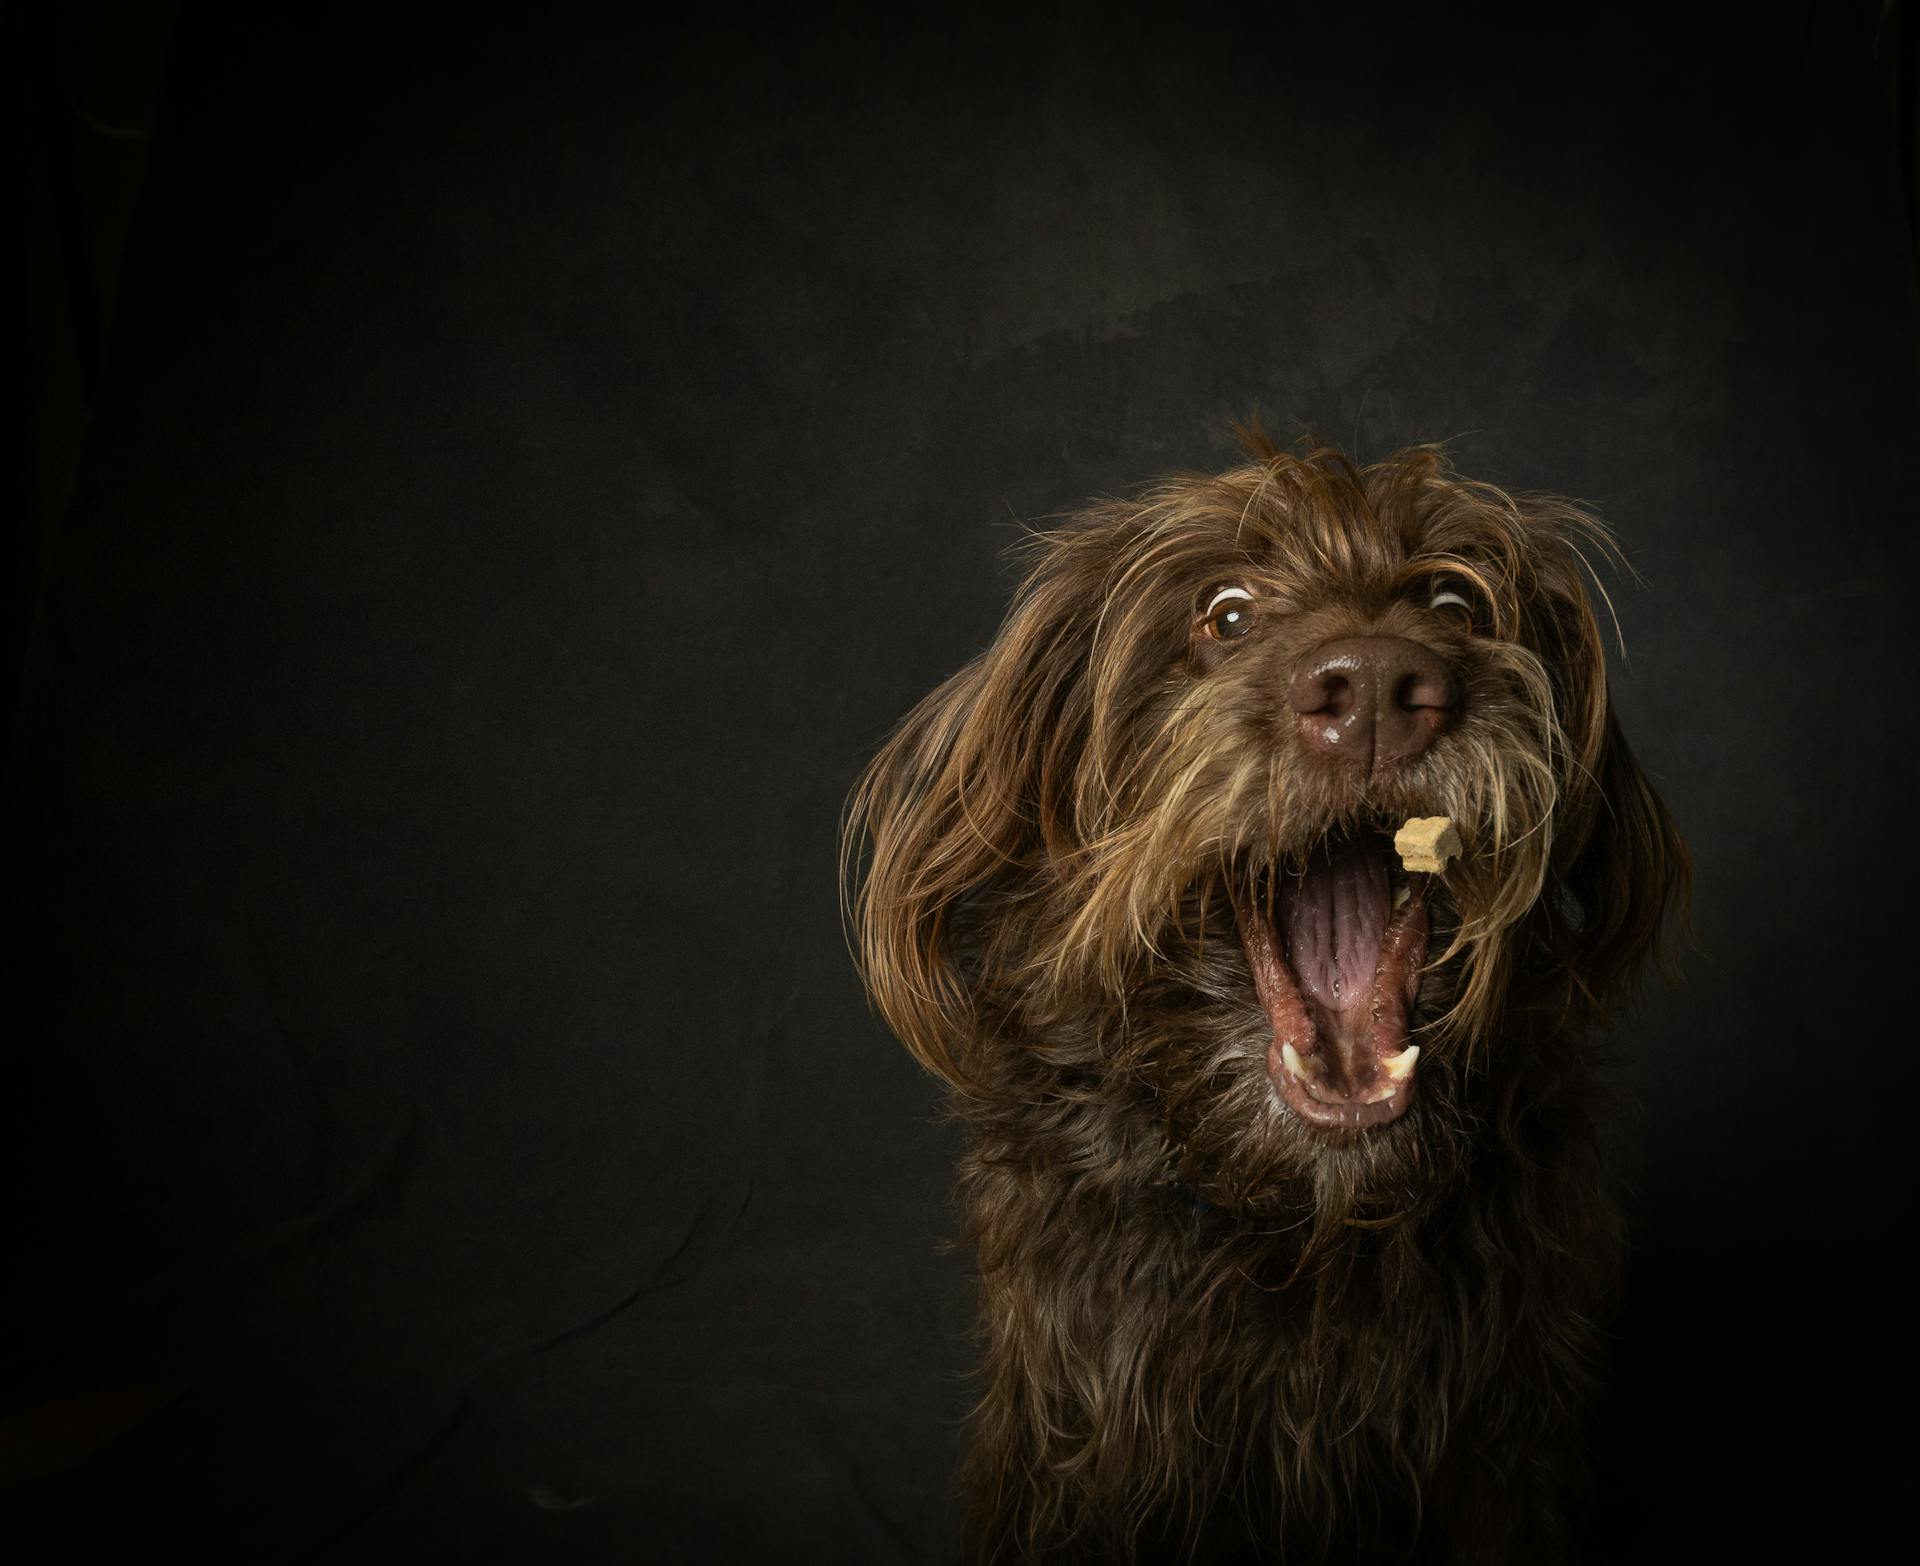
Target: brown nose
[{"x": 1371, "y": 699}]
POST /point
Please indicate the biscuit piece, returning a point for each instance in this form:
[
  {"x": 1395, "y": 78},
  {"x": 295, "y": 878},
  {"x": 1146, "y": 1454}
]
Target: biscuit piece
[{"x": 1427, "y": 843}]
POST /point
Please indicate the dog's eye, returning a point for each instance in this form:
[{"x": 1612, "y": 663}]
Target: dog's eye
[
  {"x": 1452, "y": 596},
  {"x": 1229, "y": 614}
]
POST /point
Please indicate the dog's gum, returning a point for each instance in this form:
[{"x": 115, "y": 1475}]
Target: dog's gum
[{"x": 1426, "y": 843}]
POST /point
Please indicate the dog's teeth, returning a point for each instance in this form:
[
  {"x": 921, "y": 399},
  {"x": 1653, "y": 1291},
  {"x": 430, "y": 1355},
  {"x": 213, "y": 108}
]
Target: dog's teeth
[
  {"x": 1296, "y": 1063},
  {"x": 1401, "y": 895},
  {"x": 1400, "y": 1066}
]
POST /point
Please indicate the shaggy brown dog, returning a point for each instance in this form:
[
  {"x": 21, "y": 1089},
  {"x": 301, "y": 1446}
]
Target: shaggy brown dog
[{"x": 1284, "y": 1171}]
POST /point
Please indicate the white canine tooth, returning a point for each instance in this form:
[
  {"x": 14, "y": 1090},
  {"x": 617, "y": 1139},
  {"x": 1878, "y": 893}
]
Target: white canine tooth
[
  {"x": 1401, "y": 895},
  {"x": 1295, "y": 1062},
  {"x": 1400, "y": 1066}
]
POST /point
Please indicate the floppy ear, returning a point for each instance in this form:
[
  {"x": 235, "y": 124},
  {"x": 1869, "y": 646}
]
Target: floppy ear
[
  {"x": 1617, "y": 872},
  {"x": 1620, "y": 866},
  {"x": 1628, "y": 873},
  {"x": 975, "y": 783}
]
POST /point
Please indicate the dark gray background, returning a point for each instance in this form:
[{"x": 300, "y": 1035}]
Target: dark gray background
[{"x": 535, "y": 463}]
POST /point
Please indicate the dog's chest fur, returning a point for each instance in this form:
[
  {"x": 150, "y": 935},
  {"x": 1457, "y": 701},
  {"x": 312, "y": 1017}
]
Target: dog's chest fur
[{"x": 1330, "y": 1377}]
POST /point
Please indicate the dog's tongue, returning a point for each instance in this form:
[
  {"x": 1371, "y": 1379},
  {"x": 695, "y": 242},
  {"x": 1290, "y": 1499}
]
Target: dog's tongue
[{"x": 1333, "y": 918}]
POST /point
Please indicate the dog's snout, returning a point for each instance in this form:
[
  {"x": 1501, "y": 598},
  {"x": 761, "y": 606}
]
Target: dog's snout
[{"x": 1371, "y": 699}]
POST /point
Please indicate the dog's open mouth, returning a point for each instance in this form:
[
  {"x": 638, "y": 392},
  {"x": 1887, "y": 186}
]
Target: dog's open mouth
[{"x": 1336, "y": 949}]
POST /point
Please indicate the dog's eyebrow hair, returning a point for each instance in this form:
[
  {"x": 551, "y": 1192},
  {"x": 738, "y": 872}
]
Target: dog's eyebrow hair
[{"x": 1259, "y": 489}]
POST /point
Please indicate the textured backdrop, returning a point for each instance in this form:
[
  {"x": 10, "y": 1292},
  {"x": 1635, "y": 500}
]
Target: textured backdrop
[{"x": 537, "y": 462}]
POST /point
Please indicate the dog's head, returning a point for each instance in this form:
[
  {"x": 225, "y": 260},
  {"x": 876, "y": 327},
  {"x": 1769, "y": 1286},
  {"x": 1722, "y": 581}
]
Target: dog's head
[{"x": 1140, "y": 851}]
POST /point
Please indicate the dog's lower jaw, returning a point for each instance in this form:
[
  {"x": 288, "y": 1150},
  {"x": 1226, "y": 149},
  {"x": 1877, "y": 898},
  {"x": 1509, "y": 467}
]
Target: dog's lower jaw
[{"x": 1168, "y": 1381}]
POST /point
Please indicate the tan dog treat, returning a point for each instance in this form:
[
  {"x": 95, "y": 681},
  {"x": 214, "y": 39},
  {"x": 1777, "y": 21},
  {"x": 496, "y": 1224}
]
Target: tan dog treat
[{"x": 1427, "y": 843}]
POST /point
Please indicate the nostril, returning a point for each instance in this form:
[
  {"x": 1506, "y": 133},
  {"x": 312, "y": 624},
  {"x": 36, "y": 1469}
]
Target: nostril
[
  {"x": 1328, "y": 684},
  {"x": 1336, "y": 694},
  {"x": 1424, "y": 688}
]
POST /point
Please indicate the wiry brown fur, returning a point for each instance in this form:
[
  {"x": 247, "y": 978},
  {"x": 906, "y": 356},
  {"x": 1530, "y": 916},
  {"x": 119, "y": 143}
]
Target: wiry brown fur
[{"x": 1211, "y": 1330}]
